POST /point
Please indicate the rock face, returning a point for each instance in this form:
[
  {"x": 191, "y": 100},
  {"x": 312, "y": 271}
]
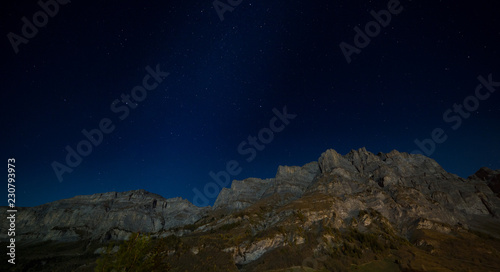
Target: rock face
[
  {"x": 491, "y": 177},
  {"x": 242, "y": 193},
  {"x": 411, "y": 191},
  {"x": 291, "y": 181},
  {"x": 104, "y": 216},
  {"x": 407, "y": 189}
]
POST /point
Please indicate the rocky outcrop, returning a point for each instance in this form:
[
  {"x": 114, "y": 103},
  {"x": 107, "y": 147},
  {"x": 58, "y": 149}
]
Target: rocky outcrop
[
  {"x": 104, "y": 216},
  {"x": 293, "y": 180},
  {"x": 491, "y": 177},
  {"x": 405, "y": 188},
  {"x": 249, "y": 253},
  {"x": 290, "y": 181},
  {"x": 242, "y": 194}
]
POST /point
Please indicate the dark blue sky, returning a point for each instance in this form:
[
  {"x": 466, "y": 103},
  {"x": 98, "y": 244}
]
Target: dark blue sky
[{"x": 226, "y": 77}]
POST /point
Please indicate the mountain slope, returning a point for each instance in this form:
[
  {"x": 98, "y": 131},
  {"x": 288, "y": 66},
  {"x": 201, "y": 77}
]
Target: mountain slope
[{"x": 391, "y": 210}]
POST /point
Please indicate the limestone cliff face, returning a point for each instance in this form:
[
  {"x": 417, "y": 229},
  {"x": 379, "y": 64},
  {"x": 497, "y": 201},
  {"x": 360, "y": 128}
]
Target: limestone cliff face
[
  {"x": 290, "y": 181},
  {"x": 293, "y": 180},
  {"x": 242, "y": 193},
  {"x": 406, "y": 188},
  {"x": 491, "y": 177},
  {"x": 104, "y": 216},
  {"x": 411, "y": 191}
]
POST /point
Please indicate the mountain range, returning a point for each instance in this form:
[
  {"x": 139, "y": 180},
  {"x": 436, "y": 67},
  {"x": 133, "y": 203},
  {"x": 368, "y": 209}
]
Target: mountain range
[{"x": 355, "y": 212}]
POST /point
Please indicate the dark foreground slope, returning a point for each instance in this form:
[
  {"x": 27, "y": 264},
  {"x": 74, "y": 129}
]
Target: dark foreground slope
[{"x": 359, "y": 212}]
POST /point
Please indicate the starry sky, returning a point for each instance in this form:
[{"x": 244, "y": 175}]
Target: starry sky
[{"x": 227, "y": 79}]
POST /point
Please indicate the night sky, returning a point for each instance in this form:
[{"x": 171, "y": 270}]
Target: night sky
[{"x": 226, "y": 81}]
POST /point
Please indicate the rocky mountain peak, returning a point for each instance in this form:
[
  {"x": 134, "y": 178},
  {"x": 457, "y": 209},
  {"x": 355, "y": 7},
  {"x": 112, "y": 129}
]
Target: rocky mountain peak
[
  {"x": 491, "y": 177},
  {"x": 330, "y": 160}
]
